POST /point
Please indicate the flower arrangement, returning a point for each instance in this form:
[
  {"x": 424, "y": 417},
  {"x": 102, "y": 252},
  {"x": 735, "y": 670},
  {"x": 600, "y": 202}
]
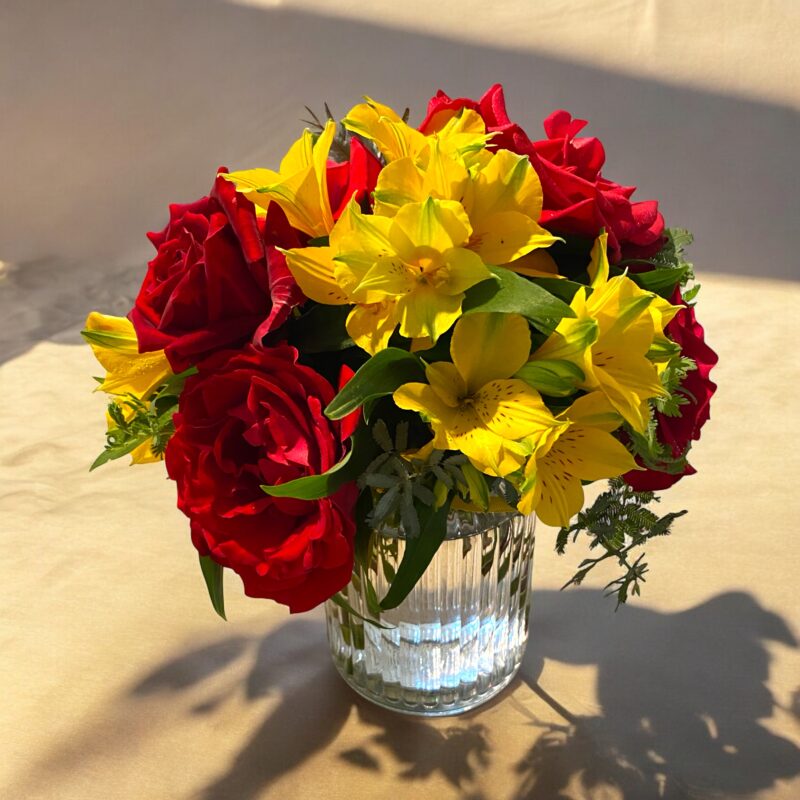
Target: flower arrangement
[{"x": 401, "y": 321}]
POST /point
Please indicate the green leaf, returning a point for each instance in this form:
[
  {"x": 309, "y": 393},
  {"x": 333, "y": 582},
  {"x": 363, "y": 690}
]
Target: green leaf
[
  {"x": 563, "y": 289},
  {"x": 418, "y": 554},
  {"x": 381, "y": 375},
  {"x": 319, "y": 241},
  {"x": 660, "y": 281},
  {"x": 342, "y": 603},
  {"x": 554, "y": 377},
  {"x": 510, "y": 293},
  {"x": 312, "y": 487},
  {"x": 690, "y": 295},
  {"x": 478, "y": 490},
  {"x": 362, "y": 545},
  {"x": 212, "y": 573},
  {"x": 663, "y": 350},
  {"x": 113, "y": 452}
]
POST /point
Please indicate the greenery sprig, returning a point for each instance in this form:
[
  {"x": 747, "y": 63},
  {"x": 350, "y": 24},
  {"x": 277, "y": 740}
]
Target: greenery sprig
[
  {"x": 137, "y": 422},
  {"x": 618, "y": 522},
  {"x": 670, "y": 266},
  {"x": 340, "y": 147}
]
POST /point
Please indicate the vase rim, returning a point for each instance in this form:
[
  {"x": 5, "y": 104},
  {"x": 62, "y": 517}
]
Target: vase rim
[{"x": 461, "y": 524}]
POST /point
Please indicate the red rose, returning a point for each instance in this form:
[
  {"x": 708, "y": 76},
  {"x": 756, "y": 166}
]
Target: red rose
[
  {"x": 214, "y": 282},
  {"x": 248, "y": 418},
  {"x": 356, "y": 177},
  {"x": 577, "y": 199},
  {"x": 491, "y": 107},
  {"x": 678, "y": 432}
]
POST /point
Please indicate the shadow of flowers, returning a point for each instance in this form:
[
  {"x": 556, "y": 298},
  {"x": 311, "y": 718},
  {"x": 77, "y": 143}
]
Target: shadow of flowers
[{"x": 681, "y": 699}]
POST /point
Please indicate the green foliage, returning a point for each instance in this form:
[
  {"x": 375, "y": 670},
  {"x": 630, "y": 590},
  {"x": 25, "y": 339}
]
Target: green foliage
[
  {"x": 137, "y": 422},
  {"x": 647, "y": 447},
  {"x": 660, "y": 281},
  {"x": 672, "y": 379},
  {"x": 212, "y": 574},
  {"x": 553, "y": 377},
  {"x": 418, "y": 553},
  {"x": 340, "y": 601},
  {"x": 401, "y": 485},
  {"x": 563, "y": 289},
  {"x": 670, "y": 266},
  {"x": 510, "y": 293},
  {"x": 381, "y": 375},
  {"x": 340, "y": 148},
  {"x": 618, "y": 522}
]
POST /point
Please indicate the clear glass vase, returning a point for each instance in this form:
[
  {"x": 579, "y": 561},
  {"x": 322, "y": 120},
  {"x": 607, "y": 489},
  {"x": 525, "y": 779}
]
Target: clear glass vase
[{"x": 459, "y": 637}]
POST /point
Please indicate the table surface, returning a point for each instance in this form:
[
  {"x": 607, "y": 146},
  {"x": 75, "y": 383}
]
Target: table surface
[{"x": 122, "y": 683}]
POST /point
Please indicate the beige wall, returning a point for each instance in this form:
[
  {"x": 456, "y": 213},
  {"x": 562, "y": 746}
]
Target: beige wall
[{"x": 745, "y": 49}]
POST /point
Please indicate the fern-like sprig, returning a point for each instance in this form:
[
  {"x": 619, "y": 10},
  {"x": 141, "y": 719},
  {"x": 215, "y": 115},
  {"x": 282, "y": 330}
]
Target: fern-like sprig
[{"x": 618, "y": 522}]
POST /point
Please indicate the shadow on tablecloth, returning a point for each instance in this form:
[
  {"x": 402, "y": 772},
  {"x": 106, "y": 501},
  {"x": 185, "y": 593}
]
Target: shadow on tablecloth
[
  {"x": 681, "y": 695},
  {"x": 679, "y": 711}
]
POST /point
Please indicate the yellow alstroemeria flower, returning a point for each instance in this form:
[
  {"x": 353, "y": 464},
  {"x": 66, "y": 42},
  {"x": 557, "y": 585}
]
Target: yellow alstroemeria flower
[
  {"x": 300, "y": 187},
  {"x": 583, "y": 449},
  {"x": 473, "y": 404},
  {"x": 503, "y": 200},
  {"x": 464, "y": 135},
  {"x": 128, "y": 372},
  {"x": 411, "y": 270},
  {"x": 609, "y": 338}
]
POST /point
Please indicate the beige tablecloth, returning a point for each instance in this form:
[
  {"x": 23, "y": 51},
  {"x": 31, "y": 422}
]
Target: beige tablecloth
[{"x": 119, "y": 682}]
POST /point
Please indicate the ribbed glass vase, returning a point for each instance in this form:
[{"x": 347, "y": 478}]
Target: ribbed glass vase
[{"x": 459, "y": 637}]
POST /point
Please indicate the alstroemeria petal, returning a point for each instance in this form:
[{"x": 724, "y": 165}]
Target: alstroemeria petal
[
  {"x": 359, "y": 233},
  {"x": 435, "y": 224},
  {"x": 486, "y": 347},
  {"x": 446, "y": 382},
  {"x": 426, "y": 312},
  {"x": 399, "y": 183},
  {"x": 462, "y": 269},
  {"x": 114, "y": 344},
  {"x": 371, "y": 326},
  {"x": 627, "y": 385},
  {"x": 422, "y": 398},
  {"x": 394, "y": 138},
  {"x": 536, "y": 264},
  {"x": 249, "y": 181},
  {"x": 513, "y": 410},
  {"x": 321, "y": 151},
  {"x": 554, "y": 497},
  {"x": 313, "y": 269},
  {"x": 589, "y": 454},
  {"x": 300, "y": 155},
  {"x": 598, "y": 265},
  {"x": 445, "y": 177},
  {"x": 387, "y": 277},
  {"x": 488, "y": 452},
  {"x": 508, "y": 182},
  {"x": 507, "y": 235},
  {"x": 593, "y": 409}
]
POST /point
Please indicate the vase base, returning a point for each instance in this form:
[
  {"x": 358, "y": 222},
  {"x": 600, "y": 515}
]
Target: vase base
[{"x": 416, "y": 703}]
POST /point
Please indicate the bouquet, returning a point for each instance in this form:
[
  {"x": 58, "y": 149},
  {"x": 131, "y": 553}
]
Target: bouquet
[{"x": 401, "y": 322}]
